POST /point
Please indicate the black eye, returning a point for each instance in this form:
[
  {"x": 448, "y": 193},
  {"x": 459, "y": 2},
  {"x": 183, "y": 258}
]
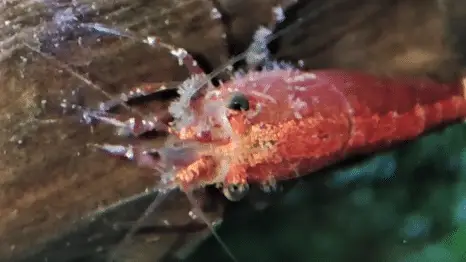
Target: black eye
[{"x": 239, "y": 102}]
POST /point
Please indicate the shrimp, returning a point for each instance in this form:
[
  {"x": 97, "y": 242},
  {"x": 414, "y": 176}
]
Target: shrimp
[
  {"x": 275, "y": 124},
  {"x": 280, "y": 123}
]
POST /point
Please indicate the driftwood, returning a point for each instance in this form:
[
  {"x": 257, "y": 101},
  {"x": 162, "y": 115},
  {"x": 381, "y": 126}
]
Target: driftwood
[{"x": 50, "y": 181}]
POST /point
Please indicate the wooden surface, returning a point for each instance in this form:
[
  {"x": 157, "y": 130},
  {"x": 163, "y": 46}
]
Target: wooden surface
[{"x": 50, "y": 180}]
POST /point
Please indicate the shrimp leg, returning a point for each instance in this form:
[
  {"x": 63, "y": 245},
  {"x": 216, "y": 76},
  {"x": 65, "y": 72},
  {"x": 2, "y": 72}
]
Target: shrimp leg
[
  {"x": 135, "y": 93},
  {"x": 166, "y": 160},
  {"x": 133, "y": 125},
  {"x": 141, "y": 156}
]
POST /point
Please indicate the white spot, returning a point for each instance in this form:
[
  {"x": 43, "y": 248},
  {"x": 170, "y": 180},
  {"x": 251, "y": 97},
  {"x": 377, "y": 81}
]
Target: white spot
[
  {"x": 265, "y": 96},
  {"x": 151, "y": 40},
  {"x": 123, "y": 97},
  {"x": 300, "y": 77},
  {"x": 64, "y": 103},
  {"x": 212, "y": 94},
  {"x": 179, "y": 53},
  {"x": 266, "y": 88},
  {"x": 278, "y": 13},
  {"x": 296, "y": 104},
  {"x": 300, "y": 88},
  {"x": 215, "y": 14},
  {"x": 192, "y": 215},
  {"x": 258, "y": 52}
]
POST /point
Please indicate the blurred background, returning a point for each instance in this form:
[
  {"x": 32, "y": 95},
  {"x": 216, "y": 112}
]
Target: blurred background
[{"x": 61, "y": 201}]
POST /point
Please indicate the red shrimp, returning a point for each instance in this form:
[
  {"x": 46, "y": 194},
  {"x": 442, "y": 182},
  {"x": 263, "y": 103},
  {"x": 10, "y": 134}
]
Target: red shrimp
[
  {"x": 279, "y": 124},
  {"x": 276, "y": 124},
  {"x": 282, "y": 123}
]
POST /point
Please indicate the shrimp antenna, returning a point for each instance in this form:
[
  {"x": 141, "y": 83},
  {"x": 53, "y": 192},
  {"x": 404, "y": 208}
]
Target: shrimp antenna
[
  {"x": 183, "y": 56},
  {"x": 198, "y": 211},
  {"x": 159, "y": 199},
  {"x": 258, "y": 48},
  {"x": 265, "y": 35},
  {"x": 76, "y": 74}
]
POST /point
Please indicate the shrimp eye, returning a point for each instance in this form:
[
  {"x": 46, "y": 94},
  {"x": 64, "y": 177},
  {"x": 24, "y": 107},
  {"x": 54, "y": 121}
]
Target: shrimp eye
[{"x": 238, "y": 102}]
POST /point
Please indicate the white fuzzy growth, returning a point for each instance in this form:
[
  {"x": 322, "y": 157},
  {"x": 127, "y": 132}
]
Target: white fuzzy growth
[
  {"x": 179, "y": 53},
  {"x": 238, "y": 74},
  {"x": 301, "y": 77},
  {"x": 225, "y": 123},
  {"x": 266, "y": 88},
  {"x": 213, "y": 111},
  {"x": 217, "y": 111},
  {"x": 258, "y": 52},
  {"x": 264, "y": 96},
  {"x": 296, "y": 104},
  {"x": 278, "y": 65},
  {"x": 181, "y": 108},
  {"x": 261, "y": 35},
  {"x": 279, "y": 14},
  {"x": 300, "y": 88}
]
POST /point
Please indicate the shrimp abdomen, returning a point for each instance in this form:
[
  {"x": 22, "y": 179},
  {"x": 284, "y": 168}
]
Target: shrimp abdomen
[
  {"x": 350, "y": 113},
  {"x": 386, "y": 110}
]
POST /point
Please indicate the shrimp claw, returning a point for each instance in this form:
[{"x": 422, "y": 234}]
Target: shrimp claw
[{"x": 141, "y": 156}]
